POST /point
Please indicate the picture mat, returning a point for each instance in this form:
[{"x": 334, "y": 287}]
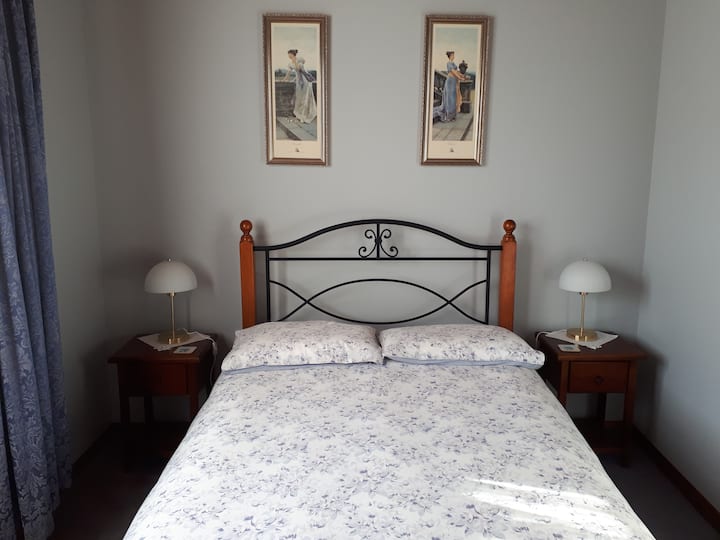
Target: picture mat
[
  {"x": 283, "y": 36},
  {"x": 468, "y": 45}
]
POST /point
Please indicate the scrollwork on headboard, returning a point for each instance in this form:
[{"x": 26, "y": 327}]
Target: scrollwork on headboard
[
  {"x": 377, "y": 236},
  {"x": 379, "y": 232}
]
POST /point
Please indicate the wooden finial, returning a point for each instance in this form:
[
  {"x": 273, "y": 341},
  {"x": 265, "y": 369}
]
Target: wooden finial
[
  {"x": 509, "y": 227},
  {"x": 246, "y": 227},
  {"x": 247, "y": 274},
  {"x": 506, "y": 307}
]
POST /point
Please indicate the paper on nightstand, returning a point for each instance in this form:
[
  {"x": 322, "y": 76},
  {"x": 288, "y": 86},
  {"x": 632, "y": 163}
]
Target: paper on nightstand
[
  {"x": 601, "y": 340},
  {"x": 156, "y": 344}
]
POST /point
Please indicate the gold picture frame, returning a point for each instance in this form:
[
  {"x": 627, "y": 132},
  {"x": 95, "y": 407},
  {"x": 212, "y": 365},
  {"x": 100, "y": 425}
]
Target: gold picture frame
[
  {"x": 296, "y": 88},
  {"x": 455, "y": 89}
]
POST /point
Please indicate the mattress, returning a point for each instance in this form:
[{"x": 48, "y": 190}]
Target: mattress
[{"x": 384, "y": 451}]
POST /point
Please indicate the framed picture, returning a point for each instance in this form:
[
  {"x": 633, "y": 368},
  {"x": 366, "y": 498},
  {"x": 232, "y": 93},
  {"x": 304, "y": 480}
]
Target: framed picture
[
  {"x": 455, "y": 86},
  {"x": 296, "y": 88}
]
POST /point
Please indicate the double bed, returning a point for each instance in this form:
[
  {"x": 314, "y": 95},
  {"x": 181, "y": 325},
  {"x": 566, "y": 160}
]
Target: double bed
[{"x": 319, "y": 429}]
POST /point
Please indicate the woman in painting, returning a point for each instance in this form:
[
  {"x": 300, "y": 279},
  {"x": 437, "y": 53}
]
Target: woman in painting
[
  {"x": 451, "y": 97},
  {"x": 305, "y": 108}
]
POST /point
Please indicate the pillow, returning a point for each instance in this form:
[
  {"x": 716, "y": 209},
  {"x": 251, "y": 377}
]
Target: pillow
[
  {"x": 458, "y": 344},
  {"x": 303, "y": 343}
]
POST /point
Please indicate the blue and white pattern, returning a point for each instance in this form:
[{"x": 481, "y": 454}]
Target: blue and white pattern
[
  {"x": 371, "y": 451},
  {"x": 301, "y": 343},
  {"x": 459, "y": 344},
  {"x": 34, "y": 437}
]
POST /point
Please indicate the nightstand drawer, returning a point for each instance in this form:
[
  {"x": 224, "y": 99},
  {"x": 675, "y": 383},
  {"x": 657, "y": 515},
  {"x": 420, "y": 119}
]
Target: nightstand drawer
[
  {"x": 154, "y": 379},
  {"x": 598, "y": 377}
]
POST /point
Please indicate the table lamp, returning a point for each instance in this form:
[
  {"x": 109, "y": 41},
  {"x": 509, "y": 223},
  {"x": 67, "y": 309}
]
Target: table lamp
[
  {"x": 584, "y": 277},
  {"x": 170, "y": 277}
]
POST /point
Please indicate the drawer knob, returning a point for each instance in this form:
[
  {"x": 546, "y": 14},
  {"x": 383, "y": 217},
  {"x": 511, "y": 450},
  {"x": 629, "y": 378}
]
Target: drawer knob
[{"x": 599, "y": 379}]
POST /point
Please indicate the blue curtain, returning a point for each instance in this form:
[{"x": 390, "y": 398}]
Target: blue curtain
[{"x": 34, "y": 450}]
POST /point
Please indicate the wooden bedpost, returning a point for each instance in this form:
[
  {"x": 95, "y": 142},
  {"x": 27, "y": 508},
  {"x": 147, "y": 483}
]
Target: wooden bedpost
[
  {"x": 506, "y": 307},
  {"x": 247, "y": 274}
]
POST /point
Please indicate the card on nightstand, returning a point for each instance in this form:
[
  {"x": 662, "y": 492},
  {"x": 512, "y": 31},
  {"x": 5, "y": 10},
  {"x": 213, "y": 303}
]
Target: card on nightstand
[{"x": 184, "y": 350}]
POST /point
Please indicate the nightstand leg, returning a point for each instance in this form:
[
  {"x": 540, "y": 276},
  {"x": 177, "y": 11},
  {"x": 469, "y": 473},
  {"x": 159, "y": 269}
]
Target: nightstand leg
[
  {"x": 149, "y": 412},
  {"x": 124, "y": 408},
  {"x": 194, "y": 405},
  {"x": 125, "y": 426},
  {"x": 563, "y": 386},
  {"x": 193, "y": 390},
  {"x": 629, "y": 406},
  {"x": 601, "y": 407}
]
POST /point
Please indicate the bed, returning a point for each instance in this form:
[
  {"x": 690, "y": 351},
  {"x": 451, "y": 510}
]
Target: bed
[{"x": 348, "y": 427}]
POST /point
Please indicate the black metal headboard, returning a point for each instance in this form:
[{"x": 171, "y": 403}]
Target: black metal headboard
[{"x": 380, "y": 248}]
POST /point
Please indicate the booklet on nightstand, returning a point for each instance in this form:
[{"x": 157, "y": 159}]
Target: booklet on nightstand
[
  {"x": 184, "y": 350},
  {"x": 602, "y": 339}
]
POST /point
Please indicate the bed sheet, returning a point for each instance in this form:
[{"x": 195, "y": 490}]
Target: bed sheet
[{"x": 370, "y": 451}]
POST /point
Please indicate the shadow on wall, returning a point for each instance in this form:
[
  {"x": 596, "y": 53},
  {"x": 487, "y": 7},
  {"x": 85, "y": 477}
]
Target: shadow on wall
[
  {"x": 649, "y": 373},
  {"x": 137, "y": 311},
  {"x": 89, "y": 390},
  {"x": 626, "y": 285}
]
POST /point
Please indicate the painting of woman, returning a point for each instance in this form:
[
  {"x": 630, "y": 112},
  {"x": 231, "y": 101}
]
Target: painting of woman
[
  {"x": 305, "y": 108},
  {"x": 451, "y": 97},
  {"x": 296, "y": 88},
  {"x": 454, "y": 95}
]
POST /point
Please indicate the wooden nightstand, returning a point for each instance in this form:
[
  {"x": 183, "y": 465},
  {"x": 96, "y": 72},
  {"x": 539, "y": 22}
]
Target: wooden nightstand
[
  {"x": 145, "y": 372},
  {"x": 610, "y": 369}
]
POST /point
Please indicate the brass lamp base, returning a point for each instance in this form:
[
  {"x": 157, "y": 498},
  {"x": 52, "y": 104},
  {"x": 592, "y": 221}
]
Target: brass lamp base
[
  {"x": 180, "y": 336},
  {"x": 582, "y": 334}
]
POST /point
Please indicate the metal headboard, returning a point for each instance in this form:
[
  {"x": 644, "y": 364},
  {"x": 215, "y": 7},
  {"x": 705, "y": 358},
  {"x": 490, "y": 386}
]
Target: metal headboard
[{"x": 379, "y": 232}]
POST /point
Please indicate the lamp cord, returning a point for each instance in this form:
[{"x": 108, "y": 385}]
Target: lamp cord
[
  {"x": 215, "y": 355},
  {"x": 537, "y": 337}
]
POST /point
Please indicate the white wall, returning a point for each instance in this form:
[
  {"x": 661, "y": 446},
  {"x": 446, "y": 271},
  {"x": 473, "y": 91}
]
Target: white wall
[
  {"x": 679, "y": 395},
  {"x": 174, "y": 159},
  {"x": 178, "y": 103},
  {"x": 74, "y": 216}
]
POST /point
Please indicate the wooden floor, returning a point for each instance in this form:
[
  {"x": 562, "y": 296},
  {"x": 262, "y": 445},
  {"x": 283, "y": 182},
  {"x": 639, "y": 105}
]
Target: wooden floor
[{"x": 106, "y": 494}]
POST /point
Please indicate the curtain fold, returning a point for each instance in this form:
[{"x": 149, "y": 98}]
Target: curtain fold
[{"x": 34, "y": 446}]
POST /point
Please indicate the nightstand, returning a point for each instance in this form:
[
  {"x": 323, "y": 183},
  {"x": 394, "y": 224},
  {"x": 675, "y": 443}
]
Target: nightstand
[
  {"x": 610, "y": 369},
  {"x": 145, "y": 372}
]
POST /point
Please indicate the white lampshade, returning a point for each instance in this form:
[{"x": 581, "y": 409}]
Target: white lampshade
[
  {"x": 585, "y": 277},
  {"x": 170, "y": 277}
]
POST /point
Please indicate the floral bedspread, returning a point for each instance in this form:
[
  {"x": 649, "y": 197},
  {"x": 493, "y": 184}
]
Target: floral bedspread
[{"x": 394, "y": 451}]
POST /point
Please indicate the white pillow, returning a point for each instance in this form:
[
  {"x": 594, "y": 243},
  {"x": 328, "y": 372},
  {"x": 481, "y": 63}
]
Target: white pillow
[
  {"x": 458, "y": 344},
  {"x": 303, "y": 343}
]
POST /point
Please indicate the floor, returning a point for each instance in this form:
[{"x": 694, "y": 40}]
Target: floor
[
  {"x": 107, "y": 491},
  {"x": 106, "y": 494},
  {"x": 655, "y": 499}
]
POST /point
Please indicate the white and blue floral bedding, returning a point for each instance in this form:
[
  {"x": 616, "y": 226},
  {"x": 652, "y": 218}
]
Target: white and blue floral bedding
[
  {"x": 372, "y": 451},
  {"x": 298, "y": 343},
  {"x": 460, "y": 344}
]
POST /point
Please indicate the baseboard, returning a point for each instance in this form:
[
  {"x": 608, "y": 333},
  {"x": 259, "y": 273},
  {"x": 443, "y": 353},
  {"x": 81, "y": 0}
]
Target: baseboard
[{"x": 697, "y": 499}]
